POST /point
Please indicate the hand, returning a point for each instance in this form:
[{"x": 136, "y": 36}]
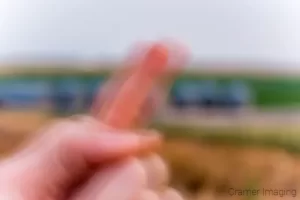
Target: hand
[{"x": 81, "y": 159}]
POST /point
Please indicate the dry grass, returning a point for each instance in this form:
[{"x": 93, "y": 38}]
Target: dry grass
[
  {"x": 16, "y": 126},
  {"x": 200, "y": 168},
  {"x": 21, "y": 121}
]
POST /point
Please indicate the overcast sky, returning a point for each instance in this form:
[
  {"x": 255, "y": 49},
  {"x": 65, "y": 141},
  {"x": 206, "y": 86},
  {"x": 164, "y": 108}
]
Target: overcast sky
[{"x": 213, "y": 29}]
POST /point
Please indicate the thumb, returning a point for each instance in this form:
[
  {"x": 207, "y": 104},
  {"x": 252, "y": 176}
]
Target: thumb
[{"x": 66, "y": 151}]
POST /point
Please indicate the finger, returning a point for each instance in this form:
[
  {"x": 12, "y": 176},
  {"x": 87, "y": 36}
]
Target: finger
[
  {"x": 111, "y": 87},
  {"x": 171, "y": 194},
  {"x": 123, "y": 181},
  {"x": 157, "y": 172},
  {"x": 148, "y": 195},
  {"x": 95, "y": 142},
  {"x": 136, "y": 89},
  {"x": 178, "y": 59},
  {"x": 114, "y": 145}
]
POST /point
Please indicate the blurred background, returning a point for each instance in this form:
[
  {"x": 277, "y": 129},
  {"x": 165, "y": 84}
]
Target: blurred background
[{"x": 231, "y": 119}]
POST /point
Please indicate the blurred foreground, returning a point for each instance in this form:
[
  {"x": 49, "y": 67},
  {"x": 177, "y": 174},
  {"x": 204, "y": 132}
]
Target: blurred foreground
[{"x": 202, "y": 168}]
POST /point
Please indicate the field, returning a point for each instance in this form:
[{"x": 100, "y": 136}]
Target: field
[{"x": 209, "y": 171}]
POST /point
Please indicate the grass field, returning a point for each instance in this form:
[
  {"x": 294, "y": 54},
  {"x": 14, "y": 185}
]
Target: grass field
[{"x": 209, "y": 169}]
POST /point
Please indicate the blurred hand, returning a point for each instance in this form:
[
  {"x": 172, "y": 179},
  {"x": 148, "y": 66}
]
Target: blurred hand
[{"x": 80, "y": 159}]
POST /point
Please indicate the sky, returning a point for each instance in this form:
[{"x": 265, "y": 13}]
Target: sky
[{"x": 244, "y": 30}]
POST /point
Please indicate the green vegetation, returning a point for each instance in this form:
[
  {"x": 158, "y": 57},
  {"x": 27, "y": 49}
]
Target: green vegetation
[
  {"x": 272, "y": 138},
  {"x": 268, "y": 91}
]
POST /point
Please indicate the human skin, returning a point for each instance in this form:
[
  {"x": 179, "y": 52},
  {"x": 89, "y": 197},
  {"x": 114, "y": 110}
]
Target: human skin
[{"x": 81, "y": 159}]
